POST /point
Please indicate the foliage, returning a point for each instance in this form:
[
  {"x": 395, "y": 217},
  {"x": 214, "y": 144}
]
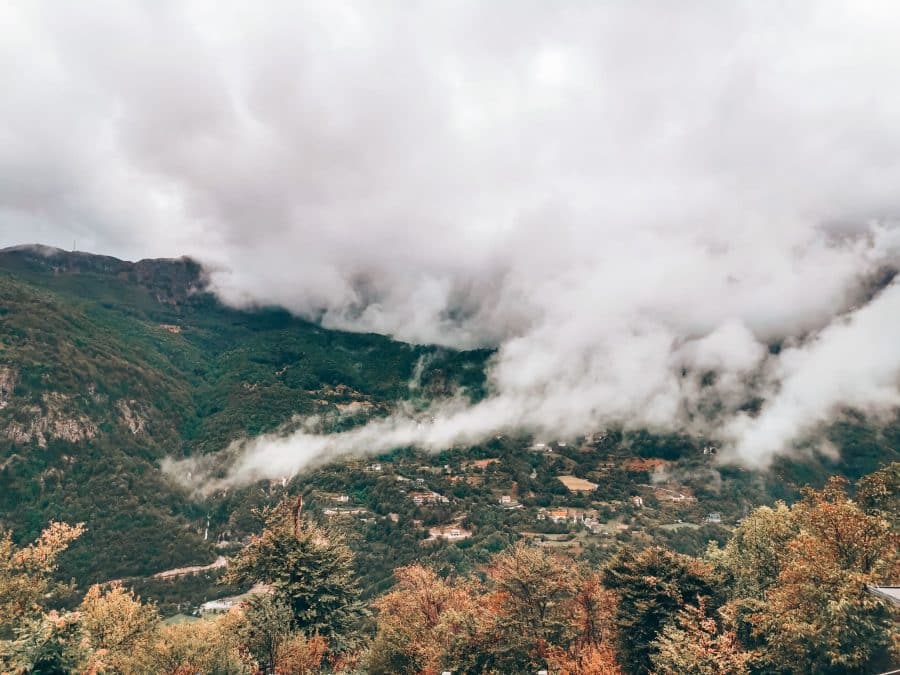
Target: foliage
[
  {"x": 117, "y": 628},
  {"x": 197, "y": 647},
  {"x": 265, "y": 629},
  {"x": 47, "y": 643},
  {"x": 301, "y": 655},
  {"x": 532, "y": 610},
  {"x": 753, "y": 557},
  {"x": 819, "y": 614},
  {"x": 652, "y": 586},
  {"x": 309, "y": 569},
  {"x": 26, "y": 573},
  {"x": 416, "y": 622},
  {"x": 694, "y": 644}
]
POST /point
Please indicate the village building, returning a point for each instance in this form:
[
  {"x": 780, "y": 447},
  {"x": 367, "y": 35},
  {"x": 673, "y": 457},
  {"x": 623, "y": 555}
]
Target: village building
[
  {"x": 430, "y": 497},
  {"x": 563, "y": 515},
  {"x": 345, "y": 512},
  {"x": 450, "y": 533}
]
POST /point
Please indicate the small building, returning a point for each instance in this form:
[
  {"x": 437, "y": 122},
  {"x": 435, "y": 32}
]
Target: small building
[
  {"x": 373, "y": 468},
  {"x": 506, "y": 499},
  {"x": 638, "y": 501},
  {"x": 217, "y": 606},
  {"x": 714, "y": 518},
  {"x": 358, "y": 511},
  {"x": 562, "y": 515},
  {"x": 450, "y": 533},
  {"x": 430, "y": 497}
]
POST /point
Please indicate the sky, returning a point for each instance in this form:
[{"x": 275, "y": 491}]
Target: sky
[{"x": 621, "y": 197}]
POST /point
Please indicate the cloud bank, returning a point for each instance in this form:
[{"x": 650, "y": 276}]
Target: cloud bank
[{"x": 621, "y": 197}]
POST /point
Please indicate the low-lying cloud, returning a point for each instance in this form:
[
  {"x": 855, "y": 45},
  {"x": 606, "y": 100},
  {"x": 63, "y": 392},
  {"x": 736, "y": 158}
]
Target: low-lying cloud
[{"x": 622, "y": 198}]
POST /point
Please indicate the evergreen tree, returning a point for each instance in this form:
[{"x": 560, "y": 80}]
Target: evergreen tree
[
  {"x": 309, "y": 569},
  {"x": 652, "y": 586}
]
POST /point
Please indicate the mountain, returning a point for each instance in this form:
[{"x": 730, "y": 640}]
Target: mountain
[{"x": 108, "y": 366}]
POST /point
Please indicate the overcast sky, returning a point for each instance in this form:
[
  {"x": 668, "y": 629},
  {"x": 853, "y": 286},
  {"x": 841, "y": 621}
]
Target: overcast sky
[{"x": 610, "y": 192}]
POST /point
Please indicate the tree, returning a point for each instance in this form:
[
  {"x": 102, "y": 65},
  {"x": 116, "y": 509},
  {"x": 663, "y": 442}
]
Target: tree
[
  {"x": 753, "y": 556},
  {"x": 266, "y": 627},
  {"x": 694, "y": 644},
  {"x": 819, "y": 616},
  {"x": 592, "y": 650},
  {"x": 652, "y": 586},
  {"x": 46, "y": 644},
  {"x": 416, "y": 622},
  {"x": 539, "y": 609},
  {"x": 26, "y": 574},
  {"x": 198, "y": 647},
  {"x": 300, "y": 655},
  {"x": 309, "y": 569},
  {"x": 117, "y": 628},
  {"x": 877, "y": 493}
]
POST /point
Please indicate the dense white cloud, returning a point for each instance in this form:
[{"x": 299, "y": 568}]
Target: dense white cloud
[{"x": 611, "y": 193}]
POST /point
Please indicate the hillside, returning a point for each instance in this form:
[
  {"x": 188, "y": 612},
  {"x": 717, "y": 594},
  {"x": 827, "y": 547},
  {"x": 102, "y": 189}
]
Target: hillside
[{"x": 107, "y": 366}]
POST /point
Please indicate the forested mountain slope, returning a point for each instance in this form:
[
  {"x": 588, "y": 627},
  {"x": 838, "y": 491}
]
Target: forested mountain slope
[{"x": 107, "y": 366}]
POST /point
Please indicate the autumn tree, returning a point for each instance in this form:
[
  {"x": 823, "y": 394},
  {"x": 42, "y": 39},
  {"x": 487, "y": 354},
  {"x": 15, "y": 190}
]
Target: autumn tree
[
  {"x": 301, "y": 655},
  {"x": 44, "y": 643},
  {"x": 753, "y": 557},
  {"x": 309, "y": 569},
  {"x": 417, "y": 621},
  {"x": 26, "y": 574},
  {"x": 819, "y": 615},
  {"x": 117, "y": 628},
  {"x": 695, "y": 644},
  {"x": 652, "y": 586},
  {"x": 877, "y": 494},
  {"x": 593, "y": 649},
  {"x": 209, "y": 646},
  {"x": 539, "y": 608}
]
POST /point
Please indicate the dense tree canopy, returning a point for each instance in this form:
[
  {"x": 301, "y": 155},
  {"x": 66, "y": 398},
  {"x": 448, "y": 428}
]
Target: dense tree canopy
[{"x": 787, "y": 594}]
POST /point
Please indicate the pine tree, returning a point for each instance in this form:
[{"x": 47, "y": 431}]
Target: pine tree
[{"x": 309, "y": 569}]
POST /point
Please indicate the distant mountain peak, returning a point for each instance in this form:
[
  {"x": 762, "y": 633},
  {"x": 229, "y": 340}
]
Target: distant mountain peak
[{"x": 169, "y": 279}]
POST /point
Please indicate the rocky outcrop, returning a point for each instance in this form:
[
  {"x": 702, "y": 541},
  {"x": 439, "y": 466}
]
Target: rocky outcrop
[
  {"x": 130, "y": 417},
  {"x": 51, "y": 422},
  {"x": 8, "y": 377}
]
